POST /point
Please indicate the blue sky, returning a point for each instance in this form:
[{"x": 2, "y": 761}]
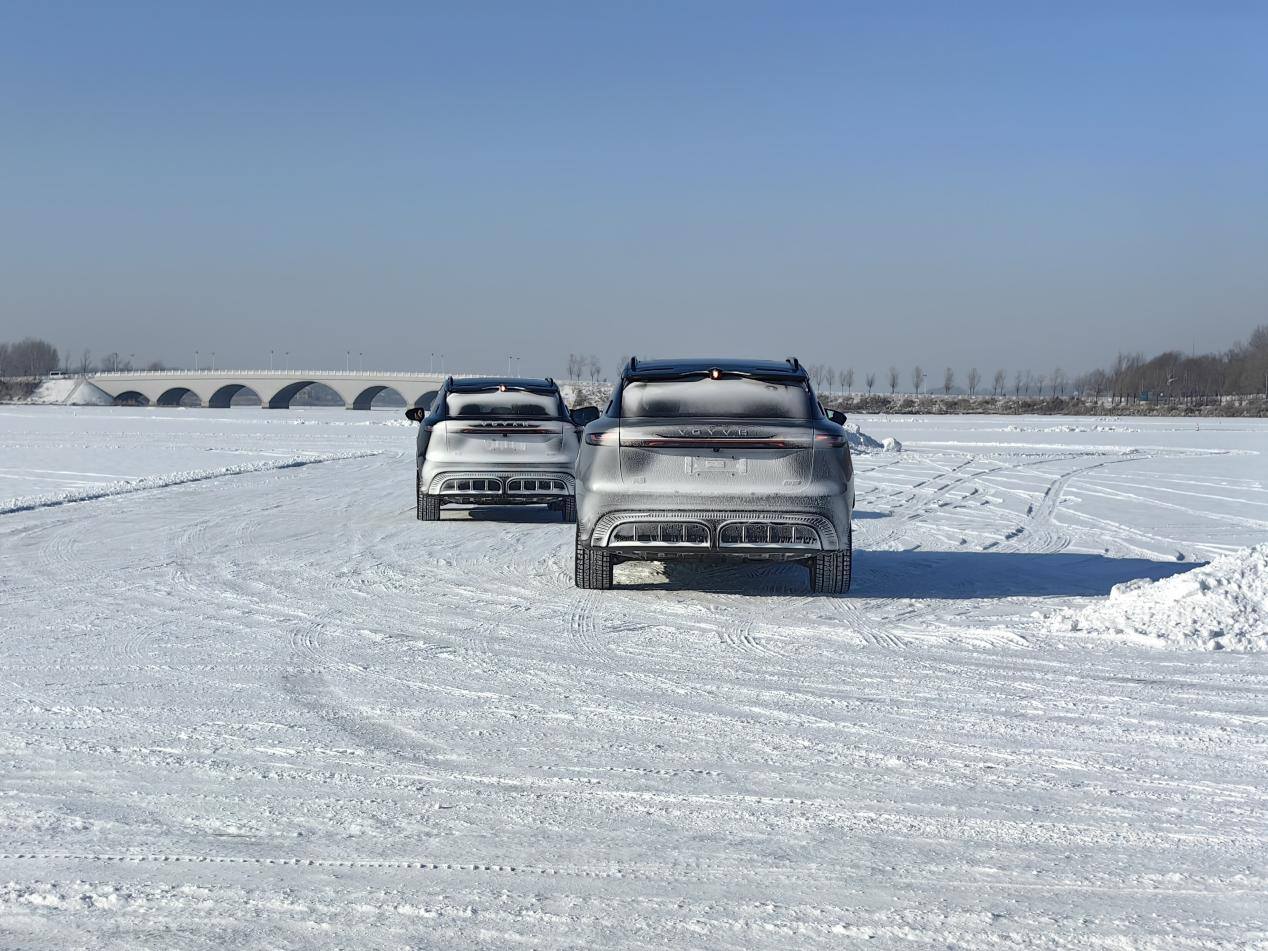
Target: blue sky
[{"x": 1016, "y": 185}]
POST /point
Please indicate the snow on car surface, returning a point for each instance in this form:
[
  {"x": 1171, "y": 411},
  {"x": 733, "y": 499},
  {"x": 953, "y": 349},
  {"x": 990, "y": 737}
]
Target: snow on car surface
[{"x": 270, "y": 709}]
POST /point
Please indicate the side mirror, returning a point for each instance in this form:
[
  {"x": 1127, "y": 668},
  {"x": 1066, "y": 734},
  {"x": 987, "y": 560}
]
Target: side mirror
[
  {"x": 584, "y": 415},
  {"x": 416, "y": 413},
  {"x": 836, "y": 416}
]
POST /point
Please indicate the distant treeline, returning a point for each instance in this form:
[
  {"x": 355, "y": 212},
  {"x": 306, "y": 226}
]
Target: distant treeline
[
  {"x": 1175, "y": 377},
  {"x": 35, "y": 357}
]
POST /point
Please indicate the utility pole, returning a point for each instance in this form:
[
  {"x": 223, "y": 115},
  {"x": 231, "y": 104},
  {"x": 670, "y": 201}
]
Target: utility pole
[
  {"x": 361, "y": 360},
  {"x": 213, "y": 361}
]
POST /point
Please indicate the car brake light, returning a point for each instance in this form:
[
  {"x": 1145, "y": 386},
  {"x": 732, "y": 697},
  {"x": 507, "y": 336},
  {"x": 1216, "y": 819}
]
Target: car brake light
[
  {"x": 605, "y": 437},
  {"x": 830, "y": 440}
]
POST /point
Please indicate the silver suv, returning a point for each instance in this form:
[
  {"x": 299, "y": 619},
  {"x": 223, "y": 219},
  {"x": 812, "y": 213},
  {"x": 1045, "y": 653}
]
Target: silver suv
[
  {"x": 493, "y": 441},
  {"x": 731, "y": 458}
]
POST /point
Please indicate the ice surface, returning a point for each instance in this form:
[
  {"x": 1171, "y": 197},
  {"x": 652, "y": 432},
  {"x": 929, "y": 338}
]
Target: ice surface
[{"x": 274, "y": 710}]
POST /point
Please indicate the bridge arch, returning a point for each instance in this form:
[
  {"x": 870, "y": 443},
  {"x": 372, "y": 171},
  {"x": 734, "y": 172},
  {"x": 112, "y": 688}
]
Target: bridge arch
[
  {"x": 223, "y": 397},
  {"x": 131, "y": 398},
  {"x": 427, "y": 399},
  {"x": 282, "y": 398},
  {"x": 365, "y": 399},
  {"x": 178, "y": 396}
]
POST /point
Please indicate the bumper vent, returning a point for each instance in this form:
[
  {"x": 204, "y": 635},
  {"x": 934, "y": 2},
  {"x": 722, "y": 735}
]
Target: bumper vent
[
  {"x": 660, "y": 534},
  {"x": 467, "y": 486},
  {"x": 766, "y": 535},
  {"x": 536, "y": 487}
]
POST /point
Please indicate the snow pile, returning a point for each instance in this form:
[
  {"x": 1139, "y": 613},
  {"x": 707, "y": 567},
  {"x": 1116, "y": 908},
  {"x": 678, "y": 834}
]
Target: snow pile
[
  {"x": 126, "y": 487},
  {"x": 1220, "y": 606},
  {"x": 860, "y": 441},
  {"x": 891, "y": 444},
  {"x": 70, "y": 391}
]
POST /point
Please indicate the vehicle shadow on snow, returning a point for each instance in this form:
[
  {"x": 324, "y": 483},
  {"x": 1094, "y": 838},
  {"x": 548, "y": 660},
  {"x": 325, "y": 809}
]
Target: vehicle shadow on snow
[
  {"x": 916, "y": 574},
  {"x": 987, "y": 574},
  {"x": 515, "y": 514}
]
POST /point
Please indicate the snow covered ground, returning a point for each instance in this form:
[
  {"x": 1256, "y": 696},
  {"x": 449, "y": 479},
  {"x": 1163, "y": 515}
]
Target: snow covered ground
[{"x": 267, "y": 708}]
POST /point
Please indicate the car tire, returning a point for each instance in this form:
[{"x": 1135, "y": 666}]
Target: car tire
[
  {"x": 830, "y": 572},
  {"x": 568, "y": 506},
  {"x": 428, "y": 505},
  {"x": 593, "y": 567}
]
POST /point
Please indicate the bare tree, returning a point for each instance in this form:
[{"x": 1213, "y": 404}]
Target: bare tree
[
  {"x": 1001, "y": 382},
  {"x": 625, "y": 359},
  {"x": 29, "y": 357},
  {"x": 917, "y": 378},
  {"x": 1041, "y": 379},
  {"x": 870, "y": 380},
  {"x": 974, "y": 379},
  {"x": 893, "y": 380},
  {"x": 595, "y": 368},
  {"x": 1058, "y": 382},
  {"x": 848, "y": 379},
  {"x": 1030, "y": 381},
  {"x": 948, "y": 381},
  {"x": 4, "y": 360},
  {"x": 85, "y": 361},
  {"x": 576, "y": 365},
  {"x": 1017, "y": 384}
]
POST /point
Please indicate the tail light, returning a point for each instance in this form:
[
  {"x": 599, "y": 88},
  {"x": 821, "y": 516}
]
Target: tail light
[
  {"x": 830, "y": 440},
  {"x": 675, "y": 442},
  {"x": 607, "y": 437}
]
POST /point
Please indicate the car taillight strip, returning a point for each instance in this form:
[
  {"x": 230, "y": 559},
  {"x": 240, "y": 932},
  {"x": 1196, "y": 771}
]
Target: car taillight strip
[
  {"x": 711, "y": 443},
  {"x": 501, "y": 430}
]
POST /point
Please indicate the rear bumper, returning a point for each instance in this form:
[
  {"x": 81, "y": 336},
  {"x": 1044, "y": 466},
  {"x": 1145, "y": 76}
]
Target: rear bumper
[
  {"x": 498, "y": 486},
  {"x": 764, "y": 534}
]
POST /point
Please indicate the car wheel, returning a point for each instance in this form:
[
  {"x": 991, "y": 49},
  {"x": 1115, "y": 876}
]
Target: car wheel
[
  {"x": 593, "y": 567},
  {"x": 830, "y": 572},
  {"x": 569, "y": 507}
]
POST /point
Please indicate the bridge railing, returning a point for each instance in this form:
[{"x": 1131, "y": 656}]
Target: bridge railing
[{"x": 284, "y": 374}]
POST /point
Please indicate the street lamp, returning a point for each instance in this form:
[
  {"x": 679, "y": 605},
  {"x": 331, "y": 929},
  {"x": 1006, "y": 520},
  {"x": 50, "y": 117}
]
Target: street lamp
[
  {"x": 213, "y": 361},
  {"x": 288, "y": 361},
  {"x": 195, "y": 361},
  {"x": 270, "y": 361},
  {"x": 361, "y": 361},
  {"x": 431, "y": 362},
  {"x": 347, "y": 362}
]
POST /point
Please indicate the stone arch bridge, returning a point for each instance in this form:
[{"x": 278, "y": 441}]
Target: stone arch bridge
[{"x": 275, "y": 388}]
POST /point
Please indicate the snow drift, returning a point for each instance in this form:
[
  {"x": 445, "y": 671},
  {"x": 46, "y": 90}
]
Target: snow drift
[
  {"x": 1220, "y": 606},
  {"x": 128, "y": 486}
]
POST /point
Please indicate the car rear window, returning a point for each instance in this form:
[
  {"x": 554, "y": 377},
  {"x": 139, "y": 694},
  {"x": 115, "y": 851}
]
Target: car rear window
[
  {"x": 735, "y": 398},
  {"x": 511, "y": 403}
]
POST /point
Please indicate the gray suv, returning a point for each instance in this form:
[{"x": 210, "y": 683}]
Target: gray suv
[
  {"x": 732, "y": 458},
  {"x": 496, "y": 441}
]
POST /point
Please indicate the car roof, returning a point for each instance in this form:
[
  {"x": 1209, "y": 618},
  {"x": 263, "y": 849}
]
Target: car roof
[
  {"x": 476, "y": 384},
  {"x": 665, "y": 368}
]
